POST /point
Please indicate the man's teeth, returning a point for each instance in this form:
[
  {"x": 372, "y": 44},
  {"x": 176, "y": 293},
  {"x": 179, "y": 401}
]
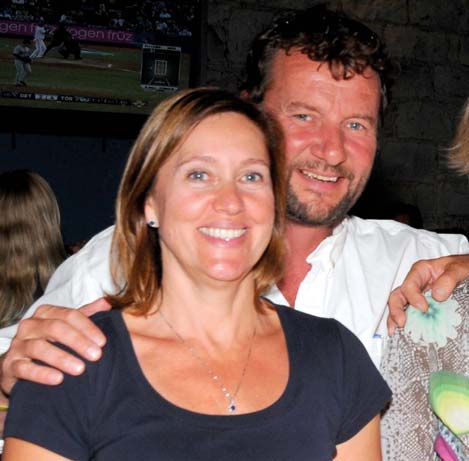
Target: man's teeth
[
  {"x": 320, "y": 177},
  {"x": 225, "y": 234}
]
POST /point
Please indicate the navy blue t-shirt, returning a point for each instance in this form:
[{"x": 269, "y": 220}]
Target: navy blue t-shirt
[{"x": 112, "y": 413}]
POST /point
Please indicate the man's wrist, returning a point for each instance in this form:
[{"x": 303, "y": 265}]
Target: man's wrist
[{"x": 4, "y": 396}]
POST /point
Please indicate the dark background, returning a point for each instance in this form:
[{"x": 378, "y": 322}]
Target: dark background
[{"x": 82, "y": 154}]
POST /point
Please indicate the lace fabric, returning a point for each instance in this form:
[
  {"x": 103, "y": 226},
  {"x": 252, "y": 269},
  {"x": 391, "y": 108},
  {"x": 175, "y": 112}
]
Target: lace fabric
[{"x": 410, "y": 428}]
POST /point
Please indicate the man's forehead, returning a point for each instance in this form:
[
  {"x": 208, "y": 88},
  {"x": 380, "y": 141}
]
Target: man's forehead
[
  {"x": 298, "y": 83},
  {"x": 295, "y": 62},
  {"x": 295, "y": 74}
]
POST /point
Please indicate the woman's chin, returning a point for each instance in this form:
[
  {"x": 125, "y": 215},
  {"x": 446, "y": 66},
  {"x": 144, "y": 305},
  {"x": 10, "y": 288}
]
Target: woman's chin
[{"x": 227, "y": 272}]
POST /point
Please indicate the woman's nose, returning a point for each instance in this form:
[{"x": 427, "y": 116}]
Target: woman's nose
[{"x": 228, "y": 199}]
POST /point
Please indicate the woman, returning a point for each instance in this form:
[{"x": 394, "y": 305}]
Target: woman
[
  {"x": 197, "y": 365},
  {"x": 31, "y": 245},
  {"x": 458, "y": 153},
  {"x": 427, "y": 365}
]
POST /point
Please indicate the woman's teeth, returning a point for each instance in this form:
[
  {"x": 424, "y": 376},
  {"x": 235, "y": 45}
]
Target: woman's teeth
[{"x": 224, "y": 234}]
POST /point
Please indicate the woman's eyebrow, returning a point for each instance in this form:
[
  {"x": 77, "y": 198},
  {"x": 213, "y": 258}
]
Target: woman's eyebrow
[
  {"x": 201, "y": 158},
  {"x": 254, "y": 161},
  {"x": 212, "y": 159}
]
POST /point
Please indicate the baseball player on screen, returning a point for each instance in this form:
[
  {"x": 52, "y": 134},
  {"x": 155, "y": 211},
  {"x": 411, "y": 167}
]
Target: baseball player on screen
[
  {"x": 22, "y": 62},
  {"x": 39, "y": 36}
]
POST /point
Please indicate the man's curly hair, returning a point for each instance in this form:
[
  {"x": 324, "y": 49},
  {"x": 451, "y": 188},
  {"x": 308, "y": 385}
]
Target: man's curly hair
[{"x": 346, "y": 45}]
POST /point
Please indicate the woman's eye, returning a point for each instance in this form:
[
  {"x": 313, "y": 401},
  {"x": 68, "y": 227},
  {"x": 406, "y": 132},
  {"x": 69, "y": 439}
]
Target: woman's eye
[{"x": 198, "y": 175}]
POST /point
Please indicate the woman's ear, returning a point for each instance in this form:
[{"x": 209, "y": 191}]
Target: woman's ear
[{"x": 151, "y": 214}]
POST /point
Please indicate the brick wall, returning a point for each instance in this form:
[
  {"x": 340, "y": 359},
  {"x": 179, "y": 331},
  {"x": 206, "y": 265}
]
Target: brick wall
[{"x": 431, "y": 40}]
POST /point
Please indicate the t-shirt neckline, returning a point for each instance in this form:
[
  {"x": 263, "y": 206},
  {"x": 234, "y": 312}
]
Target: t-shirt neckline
[{"x": 150, "y": 396}]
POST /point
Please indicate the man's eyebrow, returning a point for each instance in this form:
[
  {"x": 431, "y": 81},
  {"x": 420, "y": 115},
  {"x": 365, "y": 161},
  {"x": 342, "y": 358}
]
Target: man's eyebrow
[
  {"x": 363, "y": 116},
  {"x": 296, "y": 105}
]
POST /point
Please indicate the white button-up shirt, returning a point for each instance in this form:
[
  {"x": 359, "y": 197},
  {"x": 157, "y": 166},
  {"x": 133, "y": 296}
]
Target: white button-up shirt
[
  {"x": 352, "y": 274},
  {"x": 355, "y": 269}
]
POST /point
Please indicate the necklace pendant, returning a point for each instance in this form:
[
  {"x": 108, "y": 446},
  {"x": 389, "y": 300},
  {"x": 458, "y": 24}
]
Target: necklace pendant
[{"x": 232, "y": 406}]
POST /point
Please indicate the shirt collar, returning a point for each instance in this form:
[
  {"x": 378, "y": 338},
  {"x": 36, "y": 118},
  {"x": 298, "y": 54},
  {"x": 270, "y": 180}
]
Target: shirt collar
[
  {"x": 330, "y": 249},
  {"x": 326, "y": 254}
]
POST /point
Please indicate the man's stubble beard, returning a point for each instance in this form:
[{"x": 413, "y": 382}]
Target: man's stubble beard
[{"x": 308, "y": 214}]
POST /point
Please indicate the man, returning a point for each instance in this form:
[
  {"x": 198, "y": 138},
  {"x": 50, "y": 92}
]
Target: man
[
  {"x": 63, "y": 39},
  {"x": 39, "y": 36},
  {"x": 324, "y": 77},
  {"x": 22, "y": 62}
]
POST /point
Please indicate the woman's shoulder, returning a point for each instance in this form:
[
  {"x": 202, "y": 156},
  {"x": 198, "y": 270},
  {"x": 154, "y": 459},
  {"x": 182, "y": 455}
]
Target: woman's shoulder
[
  {"x": 112, "y": 324},
  {"x": 294, "y": 316},
  {"x": 108, "y": 320},
  {"x": 307, "y": 326},
  {"x": 325, "y": 336}
]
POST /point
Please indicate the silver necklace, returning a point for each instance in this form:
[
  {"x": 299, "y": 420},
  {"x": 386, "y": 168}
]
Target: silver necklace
[{"x": 231, "y": 396}]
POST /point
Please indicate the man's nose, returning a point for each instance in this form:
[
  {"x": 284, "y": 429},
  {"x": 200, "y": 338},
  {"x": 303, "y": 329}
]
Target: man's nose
[{"x": 329, "y": 145}]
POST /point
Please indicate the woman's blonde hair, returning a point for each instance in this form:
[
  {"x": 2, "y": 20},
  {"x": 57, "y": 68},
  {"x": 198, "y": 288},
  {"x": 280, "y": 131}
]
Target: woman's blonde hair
[
  {"x": 458, "y": 152},
  {"x": 135, "y": 257},
  {"x": 31, "y": 245}
]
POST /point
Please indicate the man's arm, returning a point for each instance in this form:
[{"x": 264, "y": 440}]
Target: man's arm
[
  {"x": 35, "y": 337},
  {"x": 79, "y": 280},
  {"x": 26, "y": 59},
  {"x": 440, "y": 275}
]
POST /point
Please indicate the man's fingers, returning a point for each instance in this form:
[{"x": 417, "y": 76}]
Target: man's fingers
[
  {"x": 417, "y": 281},
  {"x": 30, "y": 371},
  {"x": 397, "y": 304},
  {"x": 65, "y": 326},
  {"x": 391, "y": 325},
  {"x": 75, "y": 331},
  {"x": 99, "y": 305},
  {"x": 444, "y": 286},
  {"x": 454, "y": 273},
  {"x": 442, "y": 275},
  {"x": 36, "y": 338},
  {"x": 414, "y": 297},
  {"x": 18, "y": 362},
  {"x": 58, "y": 358}
]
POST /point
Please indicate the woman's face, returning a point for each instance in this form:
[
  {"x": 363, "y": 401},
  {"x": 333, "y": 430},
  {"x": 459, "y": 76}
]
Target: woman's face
[{"x": 213, "y": 200}]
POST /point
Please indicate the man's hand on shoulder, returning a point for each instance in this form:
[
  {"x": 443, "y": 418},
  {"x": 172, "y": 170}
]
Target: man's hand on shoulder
[
  {"x": 35, "y": 337},
  {"x": 440, "y": 275}
]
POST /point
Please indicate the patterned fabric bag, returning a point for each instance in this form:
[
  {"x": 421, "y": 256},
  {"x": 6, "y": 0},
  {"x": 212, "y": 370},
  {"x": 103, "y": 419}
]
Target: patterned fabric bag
[{"x": 427, "y": 367}]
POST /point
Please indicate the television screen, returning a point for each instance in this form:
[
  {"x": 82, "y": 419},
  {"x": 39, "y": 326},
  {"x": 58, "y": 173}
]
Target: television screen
[{"x": 96, "y": 55}]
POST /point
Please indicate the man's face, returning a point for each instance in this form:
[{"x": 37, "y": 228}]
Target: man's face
[{"x": 330, "y": 129}]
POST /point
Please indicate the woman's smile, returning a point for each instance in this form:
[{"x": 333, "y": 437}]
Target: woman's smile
[
  {"x": 223, "y": 234},
  {"x": 213, "y": 200}
]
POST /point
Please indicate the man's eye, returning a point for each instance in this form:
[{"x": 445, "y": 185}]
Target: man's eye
[
  {"x": 198, "y": 175},
  {"x": 356, "y": 126},
  {"x": 303, "y": 117},
  {"x": 252, "y": 177}
]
